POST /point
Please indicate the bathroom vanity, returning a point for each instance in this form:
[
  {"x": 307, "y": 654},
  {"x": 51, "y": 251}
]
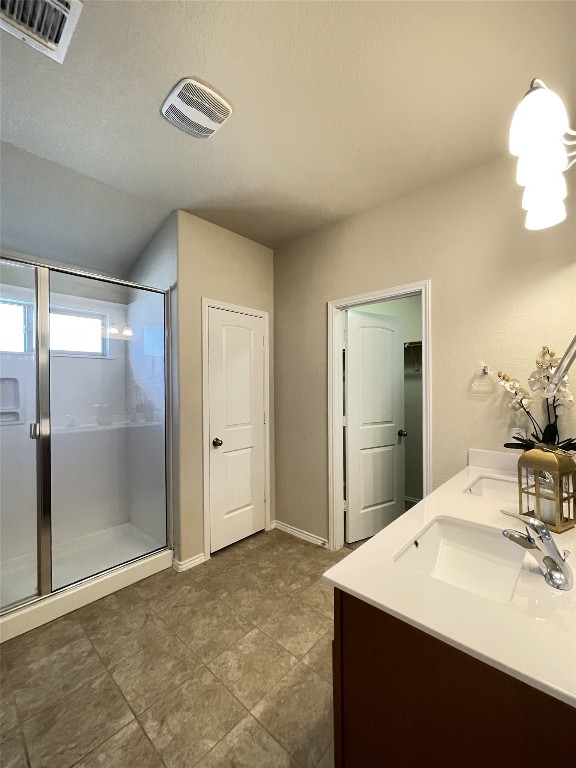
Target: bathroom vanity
[{"x": 449, "y": 647}]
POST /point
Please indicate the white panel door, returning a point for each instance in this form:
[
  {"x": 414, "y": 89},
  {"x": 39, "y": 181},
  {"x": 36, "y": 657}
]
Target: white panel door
[
  {"x": 236, "y": 434},
  {"x": 374, "y": 391}
]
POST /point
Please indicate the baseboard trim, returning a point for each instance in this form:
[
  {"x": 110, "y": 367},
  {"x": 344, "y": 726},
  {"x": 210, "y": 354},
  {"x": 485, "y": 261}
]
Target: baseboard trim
[
  {"x": 320, "y": 542},
  {"x": 412, "y": 500},
  {"x": 185, "y": 565}
]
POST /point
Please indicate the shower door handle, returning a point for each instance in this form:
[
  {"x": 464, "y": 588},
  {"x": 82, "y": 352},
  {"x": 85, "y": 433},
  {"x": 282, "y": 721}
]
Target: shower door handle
[{"x": 34, "y": 431}]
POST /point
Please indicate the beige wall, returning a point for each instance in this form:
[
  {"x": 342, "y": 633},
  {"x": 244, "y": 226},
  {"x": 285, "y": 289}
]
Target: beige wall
[
  {"x": 498, "y": 293},
  {"x": 158, "y": 263},
  {"x": 216, "y": 264}
]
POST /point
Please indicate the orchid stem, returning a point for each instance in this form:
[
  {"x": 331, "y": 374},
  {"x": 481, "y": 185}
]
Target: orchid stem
[{"x": 533, "y": 420}]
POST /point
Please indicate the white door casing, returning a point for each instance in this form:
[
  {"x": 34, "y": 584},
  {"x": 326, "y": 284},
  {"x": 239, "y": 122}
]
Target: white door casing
[
  {"x": 374, "y": 387},
  {"x": 236, "y": 392}
]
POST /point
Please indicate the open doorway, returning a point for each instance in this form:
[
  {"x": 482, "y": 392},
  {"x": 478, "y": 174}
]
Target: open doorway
[{"x": 379, "y": 402}]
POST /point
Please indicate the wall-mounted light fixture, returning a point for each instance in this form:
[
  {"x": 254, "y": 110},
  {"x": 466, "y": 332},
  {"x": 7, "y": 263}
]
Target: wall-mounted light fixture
[
  {"x": 538, "y": 137},
  {"x": 115, "y": 332}
]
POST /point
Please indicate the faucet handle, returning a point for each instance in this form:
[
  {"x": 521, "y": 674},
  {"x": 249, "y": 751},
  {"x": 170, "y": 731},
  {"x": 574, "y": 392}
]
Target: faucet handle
[{"x": 539, "y": 528}]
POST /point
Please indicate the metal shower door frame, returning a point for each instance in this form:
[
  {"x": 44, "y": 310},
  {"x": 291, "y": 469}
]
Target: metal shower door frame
[
  {"x": 42, "y": 433},
  {"x": 41, "y": 430}
]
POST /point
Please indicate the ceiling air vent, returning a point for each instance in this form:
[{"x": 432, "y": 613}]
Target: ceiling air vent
[
  {"x": 46, "y": 25},
  {"x": 196, "y": 109}
]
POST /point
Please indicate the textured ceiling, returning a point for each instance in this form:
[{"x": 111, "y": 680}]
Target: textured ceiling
[
  {"x": 56, "y": 214},
  {"x": 338, "y": 106}
]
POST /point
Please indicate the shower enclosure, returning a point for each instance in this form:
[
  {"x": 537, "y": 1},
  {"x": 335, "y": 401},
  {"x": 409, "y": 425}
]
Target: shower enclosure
[{"x": 82, "y": 427}]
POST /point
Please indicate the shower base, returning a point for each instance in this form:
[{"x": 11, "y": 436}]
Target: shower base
[{"x": 75, "y": 560}]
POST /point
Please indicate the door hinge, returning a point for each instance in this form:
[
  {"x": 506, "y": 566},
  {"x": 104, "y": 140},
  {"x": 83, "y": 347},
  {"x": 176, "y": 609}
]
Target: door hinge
[
  {"x": 264, "y": 417},
  {"x": 345, "y": 506}
]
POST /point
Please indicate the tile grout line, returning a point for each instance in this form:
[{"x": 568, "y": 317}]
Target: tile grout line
[
  {"x": 21, "y": 730},
  {"x": 261, "y": 724},
  {"x": 264, "y": 696},
  {"x": 146, "y": 607},
  {"x": 135, "y": 716},
  {"x": 325, "y": 752}
]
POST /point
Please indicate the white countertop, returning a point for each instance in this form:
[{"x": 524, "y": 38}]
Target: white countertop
[{"x": 531, "y": 637}]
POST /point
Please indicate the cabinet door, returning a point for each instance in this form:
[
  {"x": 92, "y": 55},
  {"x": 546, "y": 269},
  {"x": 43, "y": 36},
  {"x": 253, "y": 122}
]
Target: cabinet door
[{"x": 405, "y": 698}]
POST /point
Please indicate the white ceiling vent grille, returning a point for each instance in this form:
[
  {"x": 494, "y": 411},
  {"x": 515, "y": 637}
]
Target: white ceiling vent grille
[
  {"x": 196, "y": 109},
  {"x": 46, "y": 25}
]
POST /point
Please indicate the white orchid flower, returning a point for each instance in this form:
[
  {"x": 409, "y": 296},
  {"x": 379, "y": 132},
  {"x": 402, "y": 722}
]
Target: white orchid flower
[
  {"x": 521, "y": 401},
  {"x": 564, "y": 400},
  {"x": 547, "y": 359},
  {"x": 538, "y": 379},
  {"x": 512, "y": 386}
]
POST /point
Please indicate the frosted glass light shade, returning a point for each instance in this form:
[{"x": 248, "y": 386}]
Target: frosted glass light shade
[
  {"x": 540, "y": 115},
  {"x": 546, "y": 215},
  {"x": 551, "y": 188},
  {"x": 540, "y": 161}
]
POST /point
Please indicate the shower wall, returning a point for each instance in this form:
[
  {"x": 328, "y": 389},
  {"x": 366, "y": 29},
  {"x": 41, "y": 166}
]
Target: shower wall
[
  {"x": 91, "y": 459},
  {"x": 145, "y": 363}
]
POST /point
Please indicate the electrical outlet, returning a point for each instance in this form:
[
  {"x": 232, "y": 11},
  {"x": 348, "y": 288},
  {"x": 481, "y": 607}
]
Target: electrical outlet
[{"x": 518, "y": 432}]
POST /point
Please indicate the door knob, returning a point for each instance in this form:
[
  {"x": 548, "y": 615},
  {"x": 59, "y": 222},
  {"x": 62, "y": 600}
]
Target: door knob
[
  {"x": 216, "y": 442},
  {"x": 402, "y": 433}
]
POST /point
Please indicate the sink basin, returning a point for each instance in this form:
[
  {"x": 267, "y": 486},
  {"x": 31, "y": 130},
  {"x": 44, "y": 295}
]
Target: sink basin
[
  {"x": 473, "y": 557},
  {"x": 494, "y": 487}
]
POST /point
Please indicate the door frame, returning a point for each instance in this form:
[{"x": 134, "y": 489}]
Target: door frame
[
  {"x": 336, "y": 308},
  {"x": 208, "y": 304}
]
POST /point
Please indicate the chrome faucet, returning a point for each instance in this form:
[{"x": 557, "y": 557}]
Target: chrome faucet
[{"x": 542, "y": 547}]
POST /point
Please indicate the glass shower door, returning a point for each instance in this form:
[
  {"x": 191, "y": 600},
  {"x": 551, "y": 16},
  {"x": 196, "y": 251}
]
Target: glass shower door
[
  {"x": 107, "y": 405},
  {"x": 18, "y": 487}
]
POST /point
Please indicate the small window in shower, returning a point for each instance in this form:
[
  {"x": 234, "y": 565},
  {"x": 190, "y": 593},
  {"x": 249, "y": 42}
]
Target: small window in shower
[
  {"x": 75, "y": 333},
  {"x": 16, "y": 324}
]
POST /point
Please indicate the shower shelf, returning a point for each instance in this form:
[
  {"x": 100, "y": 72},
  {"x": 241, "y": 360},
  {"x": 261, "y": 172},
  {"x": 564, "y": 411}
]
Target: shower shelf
[
  {"x": 10, "y": 412},
  {"x": 9, "y": 417},
  {"x": 108, "y": 428}
]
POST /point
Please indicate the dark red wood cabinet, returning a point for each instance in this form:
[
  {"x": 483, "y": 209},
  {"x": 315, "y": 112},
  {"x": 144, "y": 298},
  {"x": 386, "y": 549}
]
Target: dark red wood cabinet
[{"x": 404, "y": 699}]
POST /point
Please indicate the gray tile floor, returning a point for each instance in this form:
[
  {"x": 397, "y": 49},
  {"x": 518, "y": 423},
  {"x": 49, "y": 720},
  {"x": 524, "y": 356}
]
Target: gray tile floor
[{"x": 227, "y": 665}]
